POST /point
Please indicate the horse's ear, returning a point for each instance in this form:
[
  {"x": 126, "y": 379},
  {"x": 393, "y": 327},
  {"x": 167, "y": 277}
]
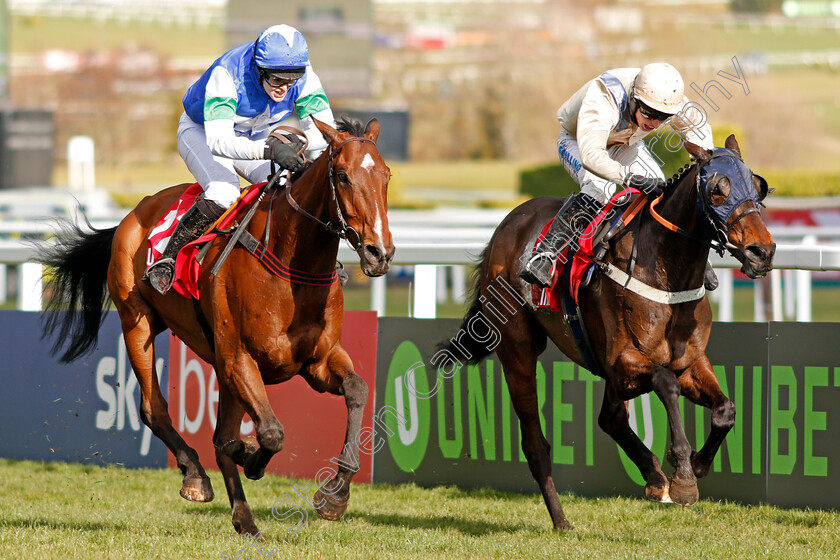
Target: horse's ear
[
  {"x": 330, "y": 134},
  {"x": 372, "y": 129},
  {"x": 696, "y": 152},
  {"x": 732, "y": 144}
]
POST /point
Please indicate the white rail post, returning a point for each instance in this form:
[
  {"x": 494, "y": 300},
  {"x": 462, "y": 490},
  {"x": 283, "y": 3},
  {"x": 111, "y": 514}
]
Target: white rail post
[
  {"x": 81, "y": 171},
  {"x": 803, "y": 287},
  {"x": 4, "y": 285},
  {"x": 726, "y": 294},
  {"x": 425, "y": 288},
  {"x": 789, "y": 289},
  {"x": 776, "y": 294},
  {"x": 29, "y": 287},
  {"x": 759, "y": 315},
  {"x": 440, "y": 297},
  {"x": 459, "y": 283},
  {"x": 378, "y": 289}
]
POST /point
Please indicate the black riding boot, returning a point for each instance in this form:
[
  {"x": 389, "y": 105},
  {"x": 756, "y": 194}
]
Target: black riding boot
[
  {"x": 710, "y": 281},
  {"x": 570, "y": 221},
  {"x": 193, "y": 223}
]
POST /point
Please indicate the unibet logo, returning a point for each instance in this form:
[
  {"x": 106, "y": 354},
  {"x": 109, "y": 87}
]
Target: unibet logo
[{"x": 406, "y": 415}]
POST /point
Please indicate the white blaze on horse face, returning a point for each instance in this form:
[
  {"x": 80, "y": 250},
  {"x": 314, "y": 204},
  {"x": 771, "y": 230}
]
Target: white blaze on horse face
[
  {"x": 377, "y": 225},
  {"x": 367, "y": 163}
]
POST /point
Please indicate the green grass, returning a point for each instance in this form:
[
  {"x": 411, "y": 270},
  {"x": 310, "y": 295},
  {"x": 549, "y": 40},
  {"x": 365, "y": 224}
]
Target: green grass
[{"x": 64, "y": 511}]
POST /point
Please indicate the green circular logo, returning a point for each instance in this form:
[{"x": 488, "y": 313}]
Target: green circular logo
[{"x": 406, "y": 412}]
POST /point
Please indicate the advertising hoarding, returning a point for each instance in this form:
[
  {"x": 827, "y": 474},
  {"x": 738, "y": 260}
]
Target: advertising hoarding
[
  {"x": 460, "y": 429},
  {"x": 83, "y": 412}
]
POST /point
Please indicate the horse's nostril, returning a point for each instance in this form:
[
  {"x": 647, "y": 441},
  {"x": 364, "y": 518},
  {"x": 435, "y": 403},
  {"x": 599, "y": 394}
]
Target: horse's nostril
[
  {"x": 373, "y": 252},
  {"x": 757, "y": 251}
]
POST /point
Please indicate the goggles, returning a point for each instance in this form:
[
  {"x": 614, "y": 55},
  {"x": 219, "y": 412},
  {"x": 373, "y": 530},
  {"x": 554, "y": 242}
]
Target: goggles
[
  {"x": 275, "y": 81},
  {"x": 652, "y": 114}
]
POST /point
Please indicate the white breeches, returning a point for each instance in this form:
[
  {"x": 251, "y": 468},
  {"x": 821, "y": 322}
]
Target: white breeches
[{"x": 635, "y": 157}]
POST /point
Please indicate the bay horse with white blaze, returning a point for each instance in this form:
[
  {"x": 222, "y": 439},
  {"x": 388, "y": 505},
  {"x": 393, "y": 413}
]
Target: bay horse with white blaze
[
  {"x": 647, "y": 330},
  {"x": 254, "y": 327}
]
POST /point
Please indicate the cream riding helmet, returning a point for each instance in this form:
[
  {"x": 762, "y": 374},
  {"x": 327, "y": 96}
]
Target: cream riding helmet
[{"x": 658, "y": 90}]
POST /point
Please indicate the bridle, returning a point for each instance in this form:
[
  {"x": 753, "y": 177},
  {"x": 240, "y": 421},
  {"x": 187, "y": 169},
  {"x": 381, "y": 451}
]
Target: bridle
[
  {"x": 720, "y": 224},
  {"x": 342, "y": 229}
]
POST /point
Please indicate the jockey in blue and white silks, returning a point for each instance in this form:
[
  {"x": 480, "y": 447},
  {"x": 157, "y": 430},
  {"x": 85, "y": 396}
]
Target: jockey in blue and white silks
[
  {"x": 230, "y": 110},
  {"x": 601, "y": 145},
  {"x": 224, "y": 131}
]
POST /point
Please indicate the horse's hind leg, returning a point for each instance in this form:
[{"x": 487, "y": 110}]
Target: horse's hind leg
[
  {"x": 700, "y": 386},
  {"x": 139, "y": 344},
  {"x": 337, "y": 377},
  {"x": 230, "y": 451},
  {"x": 520, "y": 364},
  {"x": 613, "y": 419}
]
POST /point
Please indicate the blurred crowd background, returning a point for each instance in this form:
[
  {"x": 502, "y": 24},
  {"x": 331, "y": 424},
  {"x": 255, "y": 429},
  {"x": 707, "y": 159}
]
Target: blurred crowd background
[{"x": 454, "y": 81}]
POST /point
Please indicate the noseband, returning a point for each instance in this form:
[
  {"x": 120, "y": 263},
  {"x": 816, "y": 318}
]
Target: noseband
[{"x": 342, "y": 229}]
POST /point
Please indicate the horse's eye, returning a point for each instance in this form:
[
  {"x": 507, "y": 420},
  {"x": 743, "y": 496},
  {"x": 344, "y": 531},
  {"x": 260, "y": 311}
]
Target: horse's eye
[{"x": 342, "y": 177}]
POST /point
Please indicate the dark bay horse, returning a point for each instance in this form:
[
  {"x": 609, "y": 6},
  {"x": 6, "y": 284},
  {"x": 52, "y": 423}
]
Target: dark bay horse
[
  {"x": 641, "y": 339},
  {"x": 257, "y": 328}
]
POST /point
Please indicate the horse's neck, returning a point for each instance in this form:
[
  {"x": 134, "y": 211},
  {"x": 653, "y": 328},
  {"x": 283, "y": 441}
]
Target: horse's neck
[
  {"x": 661, "y": 250},
  {"x": 295, "y": 238}
]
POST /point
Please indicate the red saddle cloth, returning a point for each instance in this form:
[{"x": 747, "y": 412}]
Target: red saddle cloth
[
  {"x": 578, "y": 256},
  {"x": 186, "y": 267}
]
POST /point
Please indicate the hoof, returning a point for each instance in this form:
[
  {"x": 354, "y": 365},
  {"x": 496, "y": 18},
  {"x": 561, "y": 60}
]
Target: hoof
[
  {"x": 563, "y": 525},
  {"x": 243, "y": 521},
  {"x": 658, "y": 493},
  {"x": 239, "y": 450},
  {"x": 328, "y": 507},
  {"x": 197, "y": 489},
  {"x": 699, "y": 466},
  {"x": 684, "y": 492}
]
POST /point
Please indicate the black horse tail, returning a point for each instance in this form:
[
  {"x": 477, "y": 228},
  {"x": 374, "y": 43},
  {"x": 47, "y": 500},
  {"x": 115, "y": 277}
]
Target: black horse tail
[
  {"x": 467, "y": 345},
  {"x": 78, "y": 297}
]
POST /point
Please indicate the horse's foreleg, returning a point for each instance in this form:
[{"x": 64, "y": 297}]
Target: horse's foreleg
[
  {"x": 243, "y": 378},
  {"x": 520, "y": 375},
  {"x": 614, "y": 420},
  {"x": 634, "y": 374},
  {"x": 332, "y": 497},
  {"x": 700, "y": 386},
  {"x": 154, "y": 411},
  {"x": 683, "y": 488},
  {"x": 229, "y": 448}
]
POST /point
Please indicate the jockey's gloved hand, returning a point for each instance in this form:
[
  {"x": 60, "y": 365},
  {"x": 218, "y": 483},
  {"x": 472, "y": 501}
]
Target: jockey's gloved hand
[
  {"x": 652, "y": 186},
  {"x": 286, "y": 156}
]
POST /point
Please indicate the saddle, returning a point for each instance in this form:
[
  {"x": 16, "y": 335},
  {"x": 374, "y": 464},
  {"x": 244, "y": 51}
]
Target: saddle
[
  {"x": 576, "y": 262},
  {"x": 186, "y": 263}
]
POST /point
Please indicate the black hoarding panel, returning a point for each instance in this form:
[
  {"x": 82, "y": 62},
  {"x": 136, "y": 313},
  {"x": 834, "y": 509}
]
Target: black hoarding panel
[{"x": 803, "y": 414}]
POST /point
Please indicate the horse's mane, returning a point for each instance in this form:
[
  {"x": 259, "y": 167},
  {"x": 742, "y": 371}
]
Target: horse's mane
[
  {"x": 678, "y": 176},
  {"x": 343, "y": 124},
  {"x": 346, "y": 124}
]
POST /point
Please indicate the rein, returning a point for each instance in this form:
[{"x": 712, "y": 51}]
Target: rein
[
  {"x": 340, "y": 231},
  {"x": 720, "y": 227}
]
